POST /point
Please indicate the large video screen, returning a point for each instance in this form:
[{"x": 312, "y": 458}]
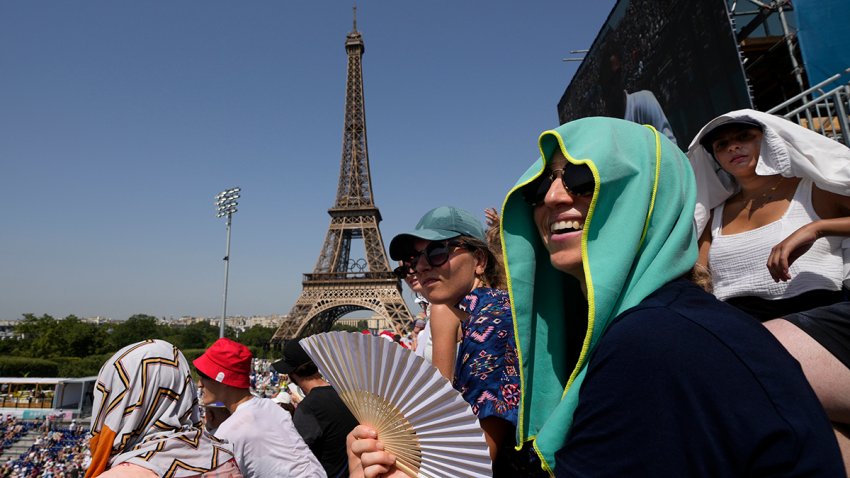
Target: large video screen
[{"x": 670, "y": 63}]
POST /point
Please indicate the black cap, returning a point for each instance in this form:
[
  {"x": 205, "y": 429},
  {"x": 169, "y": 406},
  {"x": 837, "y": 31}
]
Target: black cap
[
  {"x": 709, "y": 136},
  {"x": 294, "y": 356}
]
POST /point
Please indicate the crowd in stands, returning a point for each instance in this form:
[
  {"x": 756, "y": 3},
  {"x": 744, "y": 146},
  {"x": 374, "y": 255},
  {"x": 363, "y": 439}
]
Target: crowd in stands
[
  {"x": 265, "y": 381},
  {"x": 57, "y": 452},
  {"x": 13, "y": 429}
]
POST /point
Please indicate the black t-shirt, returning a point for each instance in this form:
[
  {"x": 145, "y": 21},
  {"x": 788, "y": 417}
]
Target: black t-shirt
[
  {"x": 683, "y": 385},
  {"x": 324, "y": 422}
]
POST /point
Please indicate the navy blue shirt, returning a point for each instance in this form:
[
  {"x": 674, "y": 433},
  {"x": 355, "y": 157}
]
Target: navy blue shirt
[{"x": 684, "y": 385}]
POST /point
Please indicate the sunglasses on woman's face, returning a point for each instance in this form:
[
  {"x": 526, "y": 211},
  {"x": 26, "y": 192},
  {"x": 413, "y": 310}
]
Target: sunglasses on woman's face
[
  {"x": 435, "y": 253},
  {"x": 404, "y": 270},
  {"x": 576, "y": 179}
]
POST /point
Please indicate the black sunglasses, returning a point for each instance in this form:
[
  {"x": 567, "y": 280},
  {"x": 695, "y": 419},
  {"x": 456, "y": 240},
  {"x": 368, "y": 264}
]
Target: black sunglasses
[
  {"x": 404, "y": 270},
  {"x": 435, "y": 253},
  {"x": 576, "y": 179}
]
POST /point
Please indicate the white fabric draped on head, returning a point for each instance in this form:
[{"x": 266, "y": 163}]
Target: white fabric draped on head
[
  {"x": 146, "y": 413},
  {"x": 787, "y": 149}
]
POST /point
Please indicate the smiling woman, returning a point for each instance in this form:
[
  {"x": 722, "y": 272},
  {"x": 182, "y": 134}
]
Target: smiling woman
[
  {"x": 560, "y": 211},
  {"x": 626, "y": 368},
  {"x": 448, "y": 253}
]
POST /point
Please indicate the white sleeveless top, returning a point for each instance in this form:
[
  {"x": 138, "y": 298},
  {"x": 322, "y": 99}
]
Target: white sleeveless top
[{"x": 738, "y": 262}]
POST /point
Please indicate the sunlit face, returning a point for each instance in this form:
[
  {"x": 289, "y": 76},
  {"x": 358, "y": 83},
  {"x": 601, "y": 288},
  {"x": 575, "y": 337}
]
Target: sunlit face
[
  {"x": 412, "y": 281},
  {"x": 737, "y": 149},
  {"x": 449, "y": 282},
  {"x": 208, "y": 388},
  {"x": 560, "y": 221}
]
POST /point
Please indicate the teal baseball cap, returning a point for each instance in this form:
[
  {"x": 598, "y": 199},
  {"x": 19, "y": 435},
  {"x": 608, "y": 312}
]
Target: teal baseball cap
[{"x": 439, "y": 224}]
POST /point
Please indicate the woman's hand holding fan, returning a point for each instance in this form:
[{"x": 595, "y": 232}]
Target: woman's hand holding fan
[{"x": 418, "y": 417}]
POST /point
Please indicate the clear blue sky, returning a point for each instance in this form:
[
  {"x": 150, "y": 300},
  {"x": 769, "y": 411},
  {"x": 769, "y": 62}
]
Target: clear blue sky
[{"x": 121, "y": 120}]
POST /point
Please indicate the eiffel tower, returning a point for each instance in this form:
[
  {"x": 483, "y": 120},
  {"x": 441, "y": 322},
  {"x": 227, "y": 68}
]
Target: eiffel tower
[{"x": 339, "y": 284}]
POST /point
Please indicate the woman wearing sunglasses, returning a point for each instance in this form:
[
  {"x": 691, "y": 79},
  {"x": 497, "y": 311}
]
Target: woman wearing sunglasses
[
  {"x": 449, "y": 255},
  {"x": 626, "y": 368},
  {"x": 442, "y": 332}
]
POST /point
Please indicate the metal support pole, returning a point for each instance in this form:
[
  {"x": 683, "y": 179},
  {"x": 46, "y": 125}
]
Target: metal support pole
[
  {"x": 225, "y": 202},
  {"x": 226, "y": 271},
  {"x": 842, "y": 96},
  {"x": 785, "y": 32}
]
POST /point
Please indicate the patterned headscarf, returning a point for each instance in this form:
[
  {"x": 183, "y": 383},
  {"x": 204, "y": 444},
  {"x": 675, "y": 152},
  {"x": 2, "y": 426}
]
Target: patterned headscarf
[
  {"x": 146, "y": 413},
  {"x": 638, "y": 235}
]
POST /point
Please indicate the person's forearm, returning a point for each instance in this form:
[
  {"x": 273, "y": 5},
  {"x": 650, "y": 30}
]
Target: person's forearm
[
  {"x": 831, "y": 227},
  {"x": 445, "y": 323}
]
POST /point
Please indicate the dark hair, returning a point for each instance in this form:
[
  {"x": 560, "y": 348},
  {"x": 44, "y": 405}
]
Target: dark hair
[
  {"x": 305, "y": 370},
  {"x": 494, "y": 274},
  {"x": 288, "y": 407}
]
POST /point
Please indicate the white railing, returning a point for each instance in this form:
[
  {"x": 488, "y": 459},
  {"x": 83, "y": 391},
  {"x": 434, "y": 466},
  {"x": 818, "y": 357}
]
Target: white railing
[{"x": 825, "y": 112}]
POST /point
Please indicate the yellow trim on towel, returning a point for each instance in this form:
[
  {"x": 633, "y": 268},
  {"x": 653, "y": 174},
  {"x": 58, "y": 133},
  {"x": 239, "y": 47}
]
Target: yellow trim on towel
[
  {"x": 654, "y": 184},
  {"x": 585, "y": 261},
  {"x": 521, "y": 414}
]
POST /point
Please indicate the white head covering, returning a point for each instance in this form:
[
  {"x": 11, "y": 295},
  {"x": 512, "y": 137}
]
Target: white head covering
[
  {"x": 146, "y": 413},
  {"x": 282, "y": 397},
  {"x": 787, "y": 149}
]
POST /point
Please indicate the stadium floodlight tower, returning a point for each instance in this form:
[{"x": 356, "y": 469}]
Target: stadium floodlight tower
[{"x": 225, "y": 203}]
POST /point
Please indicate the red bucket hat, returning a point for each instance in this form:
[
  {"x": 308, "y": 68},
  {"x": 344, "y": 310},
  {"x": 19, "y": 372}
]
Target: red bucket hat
[{"x": 226, "y": 362}]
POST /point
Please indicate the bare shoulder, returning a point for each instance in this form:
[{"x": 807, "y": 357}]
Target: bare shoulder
[
  {"x": 445, "y": 314},
  {"x": 829, "y": 205}
]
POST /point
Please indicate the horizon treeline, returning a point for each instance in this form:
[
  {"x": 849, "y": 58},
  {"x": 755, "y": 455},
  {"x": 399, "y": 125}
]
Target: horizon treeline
[{"x": 70, "y": 347}]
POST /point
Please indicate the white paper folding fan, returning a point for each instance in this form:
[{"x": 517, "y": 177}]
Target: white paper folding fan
[{"x": 419, "y": 417}]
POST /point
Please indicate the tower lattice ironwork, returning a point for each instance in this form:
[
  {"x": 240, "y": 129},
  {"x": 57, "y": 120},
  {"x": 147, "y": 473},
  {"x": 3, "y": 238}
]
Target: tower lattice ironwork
[{"x": 340, "y": 284}]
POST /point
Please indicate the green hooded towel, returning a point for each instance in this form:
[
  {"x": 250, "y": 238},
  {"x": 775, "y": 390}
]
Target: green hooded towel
[{"x": 638, "y": 235}]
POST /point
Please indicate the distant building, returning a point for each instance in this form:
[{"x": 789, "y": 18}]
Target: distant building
[
  {"x": 237, "y": 322},
  {"x": 374, "y": 323},
  {"x": 7, "y": 329},
  {"x": 98, "y": 320}
]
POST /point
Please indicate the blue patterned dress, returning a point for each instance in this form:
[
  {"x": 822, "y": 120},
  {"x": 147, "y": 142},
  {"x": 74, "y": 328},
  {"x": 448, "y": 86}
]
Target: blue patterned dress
[{"x": 487, "y": 372}]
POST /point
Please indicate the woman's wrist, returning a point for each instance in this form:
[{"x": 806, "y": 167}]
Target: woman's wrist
[{"x": 814, "y": 228}]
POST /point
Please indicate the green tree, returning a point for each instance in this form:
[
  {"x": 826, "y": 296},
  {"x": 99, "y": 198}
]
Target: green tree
[
  {"x": 27, "y": 329},
  {"x": 81, "y": 339},
  {"x": 135, "y": 329},
  {"x": 199, "y": 335},
  {"x": 345, "y": 327},
  {"x": 256, "y": 336},
  {"x": 27, "y": 367},
  {"x": 46, "y": 337},
  {"x": 39, "y": 337},
  {"x": 8, "y": 347}
]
